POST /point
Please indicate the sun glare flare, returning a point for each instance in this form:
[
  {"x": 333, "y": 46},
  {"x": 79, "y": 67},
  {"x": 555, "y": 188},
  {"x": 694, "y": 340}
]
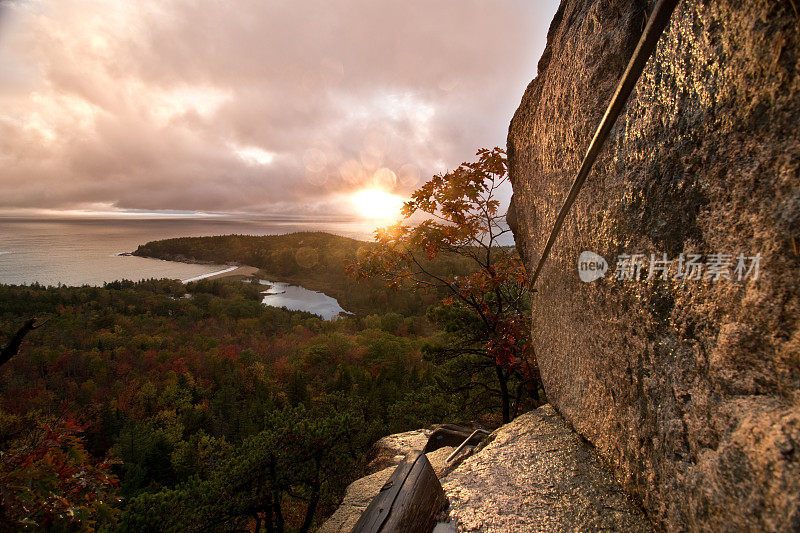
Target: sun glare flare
[{"x": 377, "y": 204}]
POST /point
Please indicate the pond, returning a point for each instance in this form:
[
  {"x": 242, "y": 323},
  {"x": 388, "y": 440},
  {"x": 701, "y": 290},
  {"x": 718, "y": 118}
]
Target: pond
[{"x": 297, "y": 298}]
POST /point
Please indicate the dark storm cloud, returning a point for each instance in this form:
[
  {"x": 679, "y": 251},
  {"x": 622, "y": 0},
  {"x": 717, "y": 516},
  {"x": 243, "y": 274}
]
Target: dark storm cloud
[{"x": 252, "y": 106}]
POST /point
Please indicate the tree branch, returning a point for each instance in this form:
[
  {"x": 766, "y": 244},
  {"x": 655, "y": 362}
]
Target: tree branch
[{"x": 12, "y": 348}]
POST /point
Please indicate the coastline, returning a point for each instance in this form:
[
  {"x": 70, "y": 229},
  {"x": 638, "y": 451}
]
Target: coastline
[
  {"x": 232, "y": 270},
  {"x": 244, "y": 271}
]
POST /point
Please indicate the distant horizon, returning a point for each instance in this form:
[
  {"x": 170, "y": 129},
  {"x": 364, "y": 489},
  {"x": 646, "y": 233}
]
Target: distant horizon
[
  {"x": 84, "y": 250},
  {"x": 154, "y": 215}
]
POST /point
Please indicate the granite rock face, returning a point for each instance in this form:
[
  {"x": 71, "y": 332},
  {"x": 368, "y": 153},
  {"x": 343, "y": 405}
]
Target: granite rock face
[
  {"x": 687, "y": 388},
  {"x": 538, "y": 475}
]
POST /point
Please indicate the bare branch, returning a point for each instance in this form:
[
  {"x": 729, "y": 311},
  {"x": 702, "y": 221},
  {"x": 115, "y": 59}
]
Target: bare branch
[{"x": 13, "y": 346}]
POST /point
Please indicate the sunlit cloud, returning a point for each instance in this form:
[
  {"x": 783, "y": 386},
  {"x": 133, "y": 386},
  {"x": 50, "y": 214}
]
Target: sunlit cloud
[
  {"x": 253, "y": 155},
  {"x": 205, "y": 101},
  {"x": 272, "y": 107}
]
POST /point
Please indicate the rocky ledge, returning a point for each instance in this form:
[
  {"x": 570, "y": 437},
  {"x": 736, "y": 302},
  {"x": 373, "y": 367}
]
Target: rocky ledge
[
  {"x": 534, "y": 474},
  {"x": 537, "y": 474}
]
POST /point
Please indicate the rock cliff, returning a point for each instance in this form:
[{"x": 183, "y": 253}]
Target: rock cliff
[{"x": 687, "y": 388}]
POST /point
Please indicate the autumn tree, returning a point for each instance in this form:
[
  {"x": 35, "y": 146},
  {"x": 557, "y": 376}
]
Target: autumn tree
[
  {"x": 48, "y": 480},
  {"x": 450, "y": 241}
]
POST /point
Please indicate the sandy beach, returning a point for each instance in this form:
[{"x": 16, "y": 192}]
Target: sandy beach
[{"x": 241, "y": 270}]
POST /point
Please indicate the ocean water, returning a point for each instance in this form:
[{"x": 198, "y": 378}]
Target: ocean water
[{"x": 85, "y": 251}]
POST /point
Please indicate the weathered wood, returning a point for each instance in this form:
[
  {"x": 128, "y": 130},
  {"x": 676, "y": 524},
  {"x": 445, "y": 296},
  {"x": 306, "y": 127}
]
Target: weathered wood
[
  {"x": 409, "y": 501},
  {"x": 450, "y": 435}
]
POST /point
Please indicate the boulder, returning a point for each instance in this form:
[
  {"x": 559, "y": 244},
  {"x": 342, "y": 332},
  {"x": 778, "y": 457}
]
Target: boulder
[
  {"x": 538, "y": 475},
  {"x": 438, "y": 459},
  {"x": 688, "y": 389},
  {"x": 357, "y": 498},
  {"x": 391, "y": 450}
]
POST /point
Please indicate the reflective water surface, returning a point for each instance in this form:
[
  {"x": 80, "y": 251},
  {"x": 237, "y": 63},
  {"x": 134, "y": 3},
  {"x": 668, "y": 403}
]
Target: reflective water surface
[{"x": 297, "y": 298}]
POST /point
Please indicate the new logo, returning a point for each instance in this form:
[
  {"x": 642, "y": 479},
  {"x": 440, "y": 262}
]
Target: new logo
[{"x": 591, "y": 266}]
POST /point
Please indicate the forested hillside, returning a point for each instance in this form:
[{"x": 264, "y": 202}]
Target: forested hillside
[
  {"x": 198, "y": 389},
  {"x": 315, "y": 260}
]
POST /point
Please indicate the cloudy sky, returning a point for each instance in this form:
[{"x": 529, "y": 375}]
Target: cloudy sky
[{"x": 251, "y": 106}]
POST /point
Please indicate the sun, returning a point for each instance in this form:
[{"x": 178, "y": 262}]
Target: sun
[{"x": 377, "y": 204}]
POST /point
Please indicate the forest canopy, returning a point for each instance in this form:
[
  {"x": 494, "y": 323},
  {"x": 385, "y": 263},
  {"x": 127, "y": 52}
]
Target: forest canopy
[{"x": 157, "y": 390}]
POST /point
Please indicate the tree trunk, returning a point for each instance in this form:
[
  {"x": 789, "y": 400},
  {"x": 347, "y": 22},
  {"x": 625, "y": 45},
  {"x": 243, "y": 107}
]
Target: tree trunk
[
  {"x": 518, "y": 399},
  {"x": 310, "y": 510},
  {"x": 504, "y": 396},
  {"x": 314, "y": 499},
  {"x": 268, "y": 516},
  {"x": 276, "y": 509}
]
